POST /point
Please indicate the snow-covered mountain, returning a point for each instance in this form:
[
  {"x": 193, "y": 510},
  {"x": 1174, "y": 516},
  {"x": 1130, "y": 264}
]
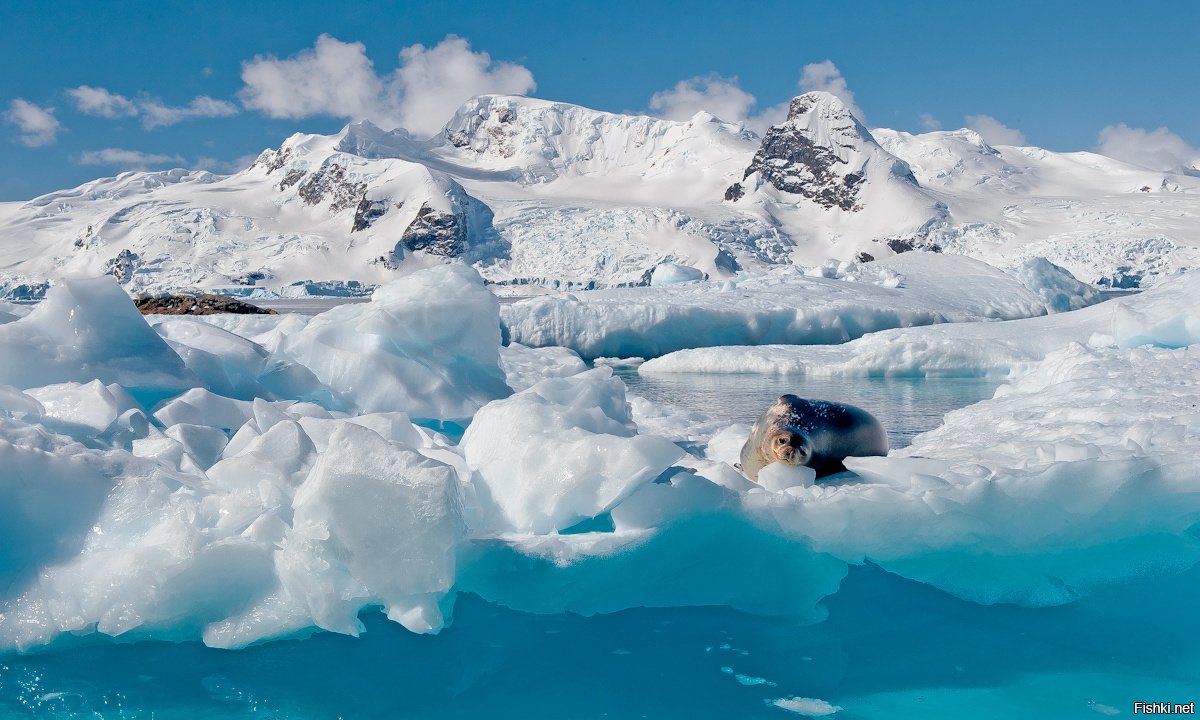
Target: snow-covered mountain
[{"x": 541, "y": 193}]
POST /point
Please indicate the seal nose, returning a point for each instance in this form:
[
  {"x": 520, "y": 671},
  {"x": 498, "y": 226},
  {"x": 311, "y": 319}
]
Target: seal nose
[{"x": 789, "y": 449}]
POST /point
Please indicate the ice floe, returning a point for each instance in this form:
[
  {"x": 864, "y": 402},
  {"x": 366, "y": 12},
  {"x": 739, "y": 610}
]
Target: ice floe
[{"x": 160, "y": 484}]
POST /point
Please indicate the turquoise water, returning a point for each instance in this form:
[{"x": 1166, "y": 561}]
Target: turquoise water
[{"x": 890, "y": 648}]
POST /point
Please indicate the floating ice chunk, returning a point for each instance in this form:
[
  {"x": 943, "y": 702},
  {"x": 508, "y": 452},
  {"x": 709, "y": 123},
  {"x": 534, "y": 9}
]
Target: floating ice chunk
[
  {"x": 809, "y": 707},
  {"x": 781, "y": 306},
  {"x": 778, "y": 477},
  {"x": 726, "y": 445},
  {"x": 15, "y": 403},
  {"x": 270, "y": 466},
  {"x": 672, "y": 274},
  {"x": 227, "y": 363},
  {"x": 1055, "y": 285},
  {"x": 525, "y": 366},
  {"x": 679, "y": 543},
  {"x": 51, "y": 496},
  {"x": 92, "y": 408},
  {"x": 393, "y": 427},
  {"x": 266, "y": 331},
  {"x": 562, "y": 451},
  {"x": 86, "y": 330},
  {"x": 1072, "y": 478},
  {"x": 375, "y": 522},
  {"x": 128, "y": 546},
  {"x": 1164, "y": 316},
  {"x": 427, "y": 345},
  {"x": 202, "y": 407}
]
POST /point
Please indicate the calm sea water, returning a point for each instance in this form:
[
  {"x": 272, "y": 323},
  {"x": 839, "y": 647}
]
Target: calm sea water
[{"x": 905, "y": 406}]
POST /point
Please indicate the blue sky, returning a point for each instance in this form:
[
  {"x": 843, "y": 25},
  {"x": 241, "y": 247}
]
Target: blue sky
[{"x": 166, "y": 82}]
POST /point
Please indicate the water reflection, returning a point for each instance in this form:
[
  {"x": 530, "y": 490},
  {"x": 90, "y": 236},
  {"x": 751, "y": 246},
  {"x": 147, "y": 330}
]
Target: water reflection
[{"x": 906, "y": 406}]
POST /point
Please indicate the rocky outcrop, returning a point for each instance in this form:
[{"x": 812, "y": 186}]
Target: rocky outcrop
[
  {"x": 206, "y": 304},
  {"x": 331, "y": 184},
  {"x": 367, "y": 212},
  {"x": 293, "y": 177},
  {"x": 123, "y": 266},
  {"x": 793, "y": 157},
  {"x": 436, "y": 232},
  {"x": 272, "y": 160}
]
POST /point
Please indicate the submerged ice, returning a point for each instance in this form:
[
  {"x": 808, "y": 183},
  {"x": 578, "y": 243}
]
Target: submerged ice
[{"x": 244, "y": 479}]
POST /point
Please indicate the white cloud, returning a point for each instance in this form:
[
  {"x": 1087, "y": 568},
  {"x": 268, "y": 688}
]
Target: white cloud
[
  {"x": 431, "y": 83},
  {"x": 334, "y": 78},
  {"x": 718, "y": 95},
  {"x": 826, "y": 77},
  {"x": 37, "y": 124},
  {"x": 724, "y": 98},
  {"x": 126, "y": 159},
  {"x": 224, "y": 167},
  {"x": 337, "y": 79},
  {"x": 1158, "y": 149},
  {"x": 929, "y": 123},
  {"x": 153, "y": 112},
  {"x": 99, "y": 101},
  {"x": 993, "y": 131}
]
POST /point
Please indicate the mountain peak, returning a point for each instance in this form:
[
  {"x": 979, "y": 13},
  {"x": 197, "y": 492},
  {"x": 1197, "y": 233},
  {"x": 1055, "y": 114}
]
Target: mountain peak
[
  {"x": 817, "y": 102},
  {"x": 821, "y": 153}
]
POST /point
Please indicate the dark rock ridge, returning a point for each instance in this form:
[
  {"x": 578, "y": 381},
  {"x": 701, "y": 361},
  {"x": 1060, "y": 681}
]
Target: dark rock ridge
[
  {"x": 791, "y": 160},
  {"x": 123, "y": 266},
  {"x": 330, "y": 183},
  {"x": 272, "y": 160},
  {"x": 915, "y": 242},
  {"x": 436, "y": 232},
  {"x": 367, "y": 212},
  {"x": 206, "y": 304}
]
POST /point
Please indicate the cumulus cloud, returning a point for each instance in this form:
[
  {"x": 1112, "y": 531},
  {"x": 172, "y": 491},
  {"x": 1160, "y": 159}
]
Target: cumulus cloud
[
  {"x": 127, "y": 159},
  {"x": 431, "y": 83},
  {"x": 102, "y": 103},
  {"x": 724, "y": 98},
  {"x": 1158, "y": 149},
  {"x": 993, "y": 131},
  {"x": 929, "y": 123},
  {"x": 826, "y": 77},
  {"x": 153, "y": 113},
  {"x": 224, "y": 167},
  {"x": 156, "y": 114},
  {"x": 37, "y": 125},
  {"x": 338, "y": 79},
  {"x": 333, "y": 78},
  {"x": 718, "y": 95}
]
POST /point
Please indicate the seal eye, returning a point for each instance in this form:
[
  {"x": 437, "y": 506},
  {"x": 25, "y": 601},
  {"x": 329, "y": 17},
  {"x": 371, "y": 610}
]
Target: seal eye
[{"x": 780, "y": 440}]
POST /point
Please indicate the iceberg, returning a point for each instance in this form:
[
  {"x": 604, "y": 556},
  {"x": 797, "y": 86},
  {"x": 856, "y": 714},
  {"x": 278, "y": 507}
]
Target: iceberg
[
  {"x": 781, "y": 306},
  {"x": 89, "y": 330},
  {"x": 201, "y": 513},
  {"x": 427, "y": 345}
]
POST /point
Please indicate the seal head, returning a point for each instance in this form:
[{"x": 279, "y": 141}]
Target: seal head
[{"x": 788, "y": 445}]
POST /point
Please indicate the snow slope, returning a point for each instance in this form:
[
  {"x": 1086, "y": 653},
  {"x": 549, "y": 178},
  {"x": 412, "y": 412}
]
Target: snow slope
[{"x": 545, "y": 193}]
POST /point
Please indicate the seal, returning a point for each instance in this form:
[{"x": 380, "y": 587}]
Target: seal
[{"x": 816, "y": 433}]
